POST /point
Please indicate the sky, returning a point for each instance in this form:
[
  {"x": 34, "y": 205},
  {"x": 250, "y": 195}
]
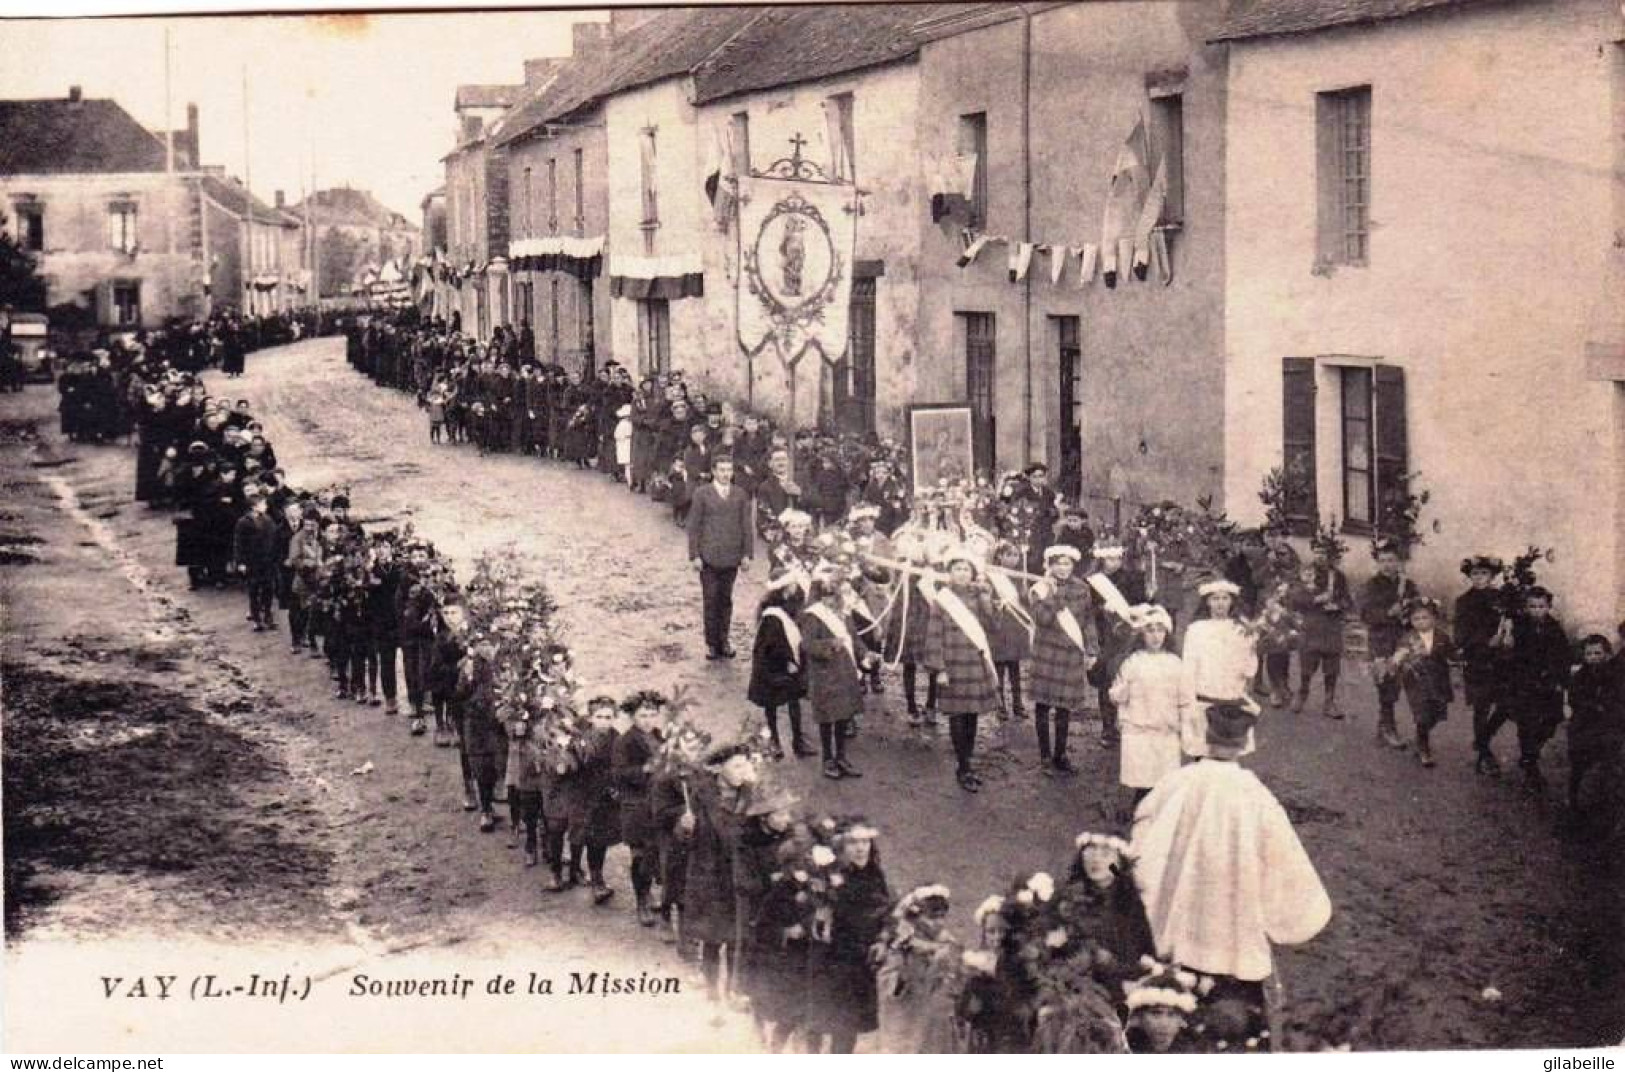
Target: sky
[{"x": 363, "y": 99}]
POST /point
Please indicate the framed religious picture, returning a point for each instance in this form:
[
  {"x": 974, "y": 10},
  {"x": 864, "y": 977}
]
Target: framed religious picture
[{"x": 940, "y": 444}]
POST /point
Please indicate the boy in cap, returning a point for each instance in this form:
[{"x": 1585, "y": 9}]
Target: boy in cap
[
  {"x": 1538, "y": 671},
  {"x": 1597, "y": 701},
  {"x": 1477, "y": 624},
  {"x": 1382, "y": 609},
  {"x": 254, "y": 550},
  {"x": 1423, "y": 662}
]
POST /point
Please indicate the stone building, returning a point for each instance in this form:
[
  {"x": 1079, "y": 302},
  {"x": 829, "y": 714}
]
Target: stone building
[
  {"x": 114, "y": 218},
  {"x": 1429, "y": 217},
  {"x": 1025, "y": 113},
  {"x": 352, "y": 229},
  {"x": 555, "y": 149}
]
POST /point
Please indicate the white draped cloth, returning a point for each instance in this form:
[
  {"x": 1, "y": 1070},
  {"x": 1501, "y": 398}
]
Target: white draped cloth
[{"x": 1222, "y": 871}]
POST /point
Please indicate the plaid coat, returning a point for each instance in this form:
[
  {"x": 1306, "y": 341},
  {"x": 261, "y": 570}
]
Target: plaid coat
[
  {"x": 833, "y": 686},
  {"x": 971, "y": 689},
  {"x": 1059, "y": 669}
]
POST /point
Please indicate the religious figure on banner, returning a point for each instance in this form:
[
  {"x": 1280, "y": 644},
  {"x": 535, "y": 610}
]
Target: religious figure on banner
[
  {"x": 793, "y": 254},
  {"x": 796, "y": 240}
]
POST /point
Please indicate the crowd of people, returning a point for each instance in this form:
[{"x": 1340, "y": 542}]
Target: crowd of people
[{"x": 1003, "y": 594}]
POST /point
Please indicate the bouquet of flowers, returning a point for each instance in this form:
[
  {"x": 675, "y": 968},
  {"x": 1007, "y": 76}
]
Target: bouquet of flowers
[
  {"x": 1200, "y": 540},
  {"x": 1326, "y": 541},
  {"x": 1518, "y": 578},
  {"x": 809, "y": 869},
  {"x": 1277, "y": 626}
]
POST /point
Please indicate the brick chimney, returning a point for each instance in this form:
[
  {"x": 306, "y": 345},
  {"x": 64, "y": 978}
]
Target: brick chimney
[
  {"x": 588, "y": 38},
  {"x": 191, "y": 135},
  {"x": 281, "y": 199},
  {"x": 76, "y": 94},
  {"x": 539, "y": 72}
]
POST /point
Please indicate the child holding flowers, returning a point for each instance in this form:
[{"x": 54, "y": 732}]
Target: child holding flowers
[
  {"x": 919, "y": 974},
  {"x": 842, "y": 1000}
]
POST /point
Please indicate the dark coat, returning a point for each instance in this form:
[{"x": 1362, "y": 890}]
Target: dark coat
[
  {"x": 1382, "y": 603},
  {"x": 1426, "y": 678},
  {"x": 666, "y": 806},
  {"x": 708, "y": 897},
  {"x": 1060, "y": 669},
  {"x": 833, "y": 686},
  {"x": 773, "y": 682},
  {"x": 633, "y": 752},
  {"x": 1322, "y": 628},
  {"x": 444, "y": 657},
  {"x": 841, "y": 994},
  {"x": 1009, "y": 639},
  {"x": 972, "y": 687},
  {"x": 254, "y": 543},
  {"x": 1476, "y": 620},
  {"x": 1597, "y": 696},
  {"x": 1114, "y": 918},
  {"x": 772, "y": 966},
  {"x": 772, "y": 500},
  {"x": 1538, "y": 670},
  {"x": 721, "y": 533},
  {"x": 595, "y": 818}
]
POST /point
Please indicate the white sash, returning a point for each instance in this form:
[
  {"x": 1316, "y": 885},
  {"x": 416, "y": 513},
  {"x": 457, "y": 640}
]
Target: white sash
[
  {"x": 1006, "y": 591},
  {"x": 792, "y": 631},
  {"x": 833, "y": 623},
  {"x": 1069, "y": 625},
  {"x": 955, "y": 608}
]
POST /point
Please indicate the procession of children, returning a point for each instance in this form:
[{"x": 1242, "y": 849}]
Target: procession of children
[{"x": 1011, "y": 605}]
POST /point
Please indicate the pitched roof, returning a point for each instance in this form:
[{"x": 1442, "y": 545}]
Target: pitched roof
[
  {"x": 1273, "y": 18},
  {"x": 488, "y": 96},
  {"x": 61, "y": 135},
  {"x": 347, "y": 206},
  {"x": 239, "y": 200},
  {"x": 669, "y": 45},
  {"x": 794, "y": 43}
]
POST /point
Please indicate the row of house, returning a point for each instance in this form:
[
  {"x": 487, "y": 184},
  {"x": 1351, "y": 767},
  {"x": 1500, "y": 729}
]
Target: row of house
[
  {"x": 1380, "y": 242},
  {"x": 129, "y": 224}
]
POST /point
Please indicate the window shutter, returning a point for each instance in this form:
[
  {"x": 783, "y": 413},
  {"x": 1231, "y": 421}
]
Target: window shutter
[
  {"x": 1328, "y": 180},
  {"x": 1298, "y": 442},
  {"x": 1392, "y": 442}
]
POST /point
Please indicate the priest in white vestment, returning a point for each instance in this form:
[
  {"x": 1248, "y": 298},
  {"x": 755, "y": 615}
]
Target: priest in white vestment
[{"x": 1222, "y": 871}]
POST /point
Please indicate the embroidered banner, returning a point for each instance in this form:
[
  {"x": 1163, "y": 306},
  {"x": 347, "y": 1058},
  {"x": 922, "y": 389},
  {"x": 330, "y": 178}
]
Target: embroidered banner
[{"x": 795, "y": 278}]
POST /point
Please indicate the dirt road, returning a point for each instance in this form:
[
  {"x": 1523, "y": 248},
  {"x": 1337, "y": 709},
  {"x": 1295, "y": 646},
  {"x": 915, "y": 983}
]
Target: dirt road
[{"x": 156, "y": 746}]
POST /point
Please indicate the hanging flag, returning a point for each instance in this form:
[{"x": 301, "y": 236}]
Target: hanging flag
[
  {"x": 1124, "y": 197},
  {"x": 1150, "y": 215},
  {"x": 973, "y": 249},
  {"x": 1159, "y": 257},
  {"x": 1057, "y": 263},
  {"x": 1021, "y": 259},
  {"x": 1089, "y": 255},
  {"x": 795, "y": 274}
]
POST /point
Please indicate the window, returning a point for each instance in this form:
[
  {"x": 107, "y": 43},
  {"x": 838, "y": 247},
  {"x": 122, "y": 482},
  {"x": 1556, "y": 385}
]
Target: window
[
  {"x": 553, "y": 313},
  {"x": 127, "y": 304},
  {"x": 581, "y": 193},
  {"x": 121, "y": 232},
  {"x": 1343, "y": 175},
  {"x": 585, "y": 323},
  {"x": 739, "y": 142},
  {"x": 1069, "y": 355},
  {"x": 838, "y": 127},
  {"x": 1168, "y": 151},
  {"x": 973, "y": 165},
  {"x": 979, "y": 365},
  {"x": 553, "y": 195},
  {"x": 1359, "y": 477},
  {"x": 854, "y": 387},
  {"x": 31, "y": 226},
  {"x": 651, "y": 202},
  {"x": 654, "y": 336},
  {"x": 1298, "y": 443},
  {"x": 525, "y": 219}
]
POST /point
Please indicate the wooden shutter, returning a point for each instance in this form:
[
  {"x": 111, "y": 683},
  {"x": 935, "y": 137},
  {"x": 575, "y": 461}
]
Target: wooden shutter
[
  {"x": 1328, "y": 180},
  {"x": 1298, "y": 442},
  {"x": 1392, "y": 436}
]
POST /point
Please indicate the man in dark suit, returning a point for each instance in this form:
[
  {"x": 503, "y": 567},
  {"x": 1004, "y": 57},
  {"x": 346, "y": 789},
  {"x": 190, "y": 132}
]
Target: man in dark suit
[
  {"x": 776, "y": 492},
  {"x": 721, "y": 539}
]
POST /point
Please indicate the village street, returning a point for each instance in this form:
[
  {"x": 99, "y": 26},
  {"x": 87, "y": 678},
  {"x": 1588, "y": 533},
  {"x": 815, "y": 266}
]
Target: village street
[{"x": 212, "y": 778}]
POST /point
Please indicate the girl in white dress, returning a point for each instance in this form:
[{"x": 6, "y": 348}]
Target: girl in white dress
[
  {"x": 1151, "y": 696},
  {"x": 1219, "y": 658}
]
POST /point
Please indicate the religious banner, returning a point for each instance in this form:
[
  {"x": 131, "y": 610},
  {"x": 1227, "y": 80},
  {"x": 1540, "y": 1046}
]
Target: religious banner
[{"x": 795, "y": 278}]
